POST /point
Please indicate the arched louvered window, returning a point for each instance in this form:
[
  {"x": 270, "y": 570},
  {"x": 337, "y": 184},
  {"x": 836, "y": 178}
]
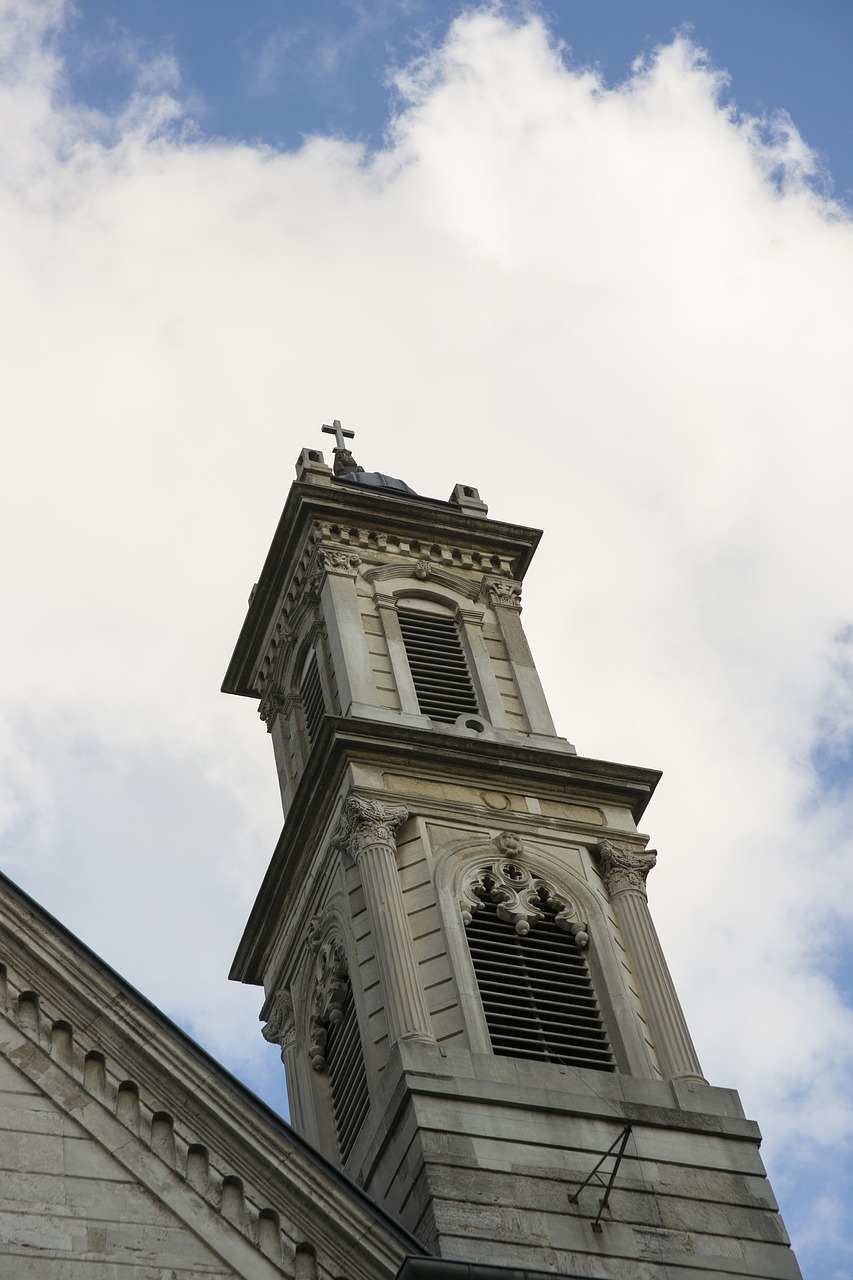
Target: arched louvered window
[
  {"x": 335, "y": 1046},
  {"x": 347, "y": 1076},
  {"x": 311, "y": 692},
  {"x": 535, "y": 987},
  {"x": 437, "y": 661}
]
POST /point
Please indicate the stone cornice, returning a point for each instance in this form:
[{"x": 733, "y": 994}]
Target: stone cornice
[{"x": 363, "y": 519}]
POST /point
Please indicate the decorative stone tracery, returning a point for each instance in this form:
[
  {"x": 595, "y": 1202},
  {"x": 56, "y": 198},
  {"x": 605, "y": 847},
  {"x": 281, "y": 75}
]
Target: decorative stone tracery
[
  {"x": 331, "y": 984},
  {"x": 519, "y": 895}
]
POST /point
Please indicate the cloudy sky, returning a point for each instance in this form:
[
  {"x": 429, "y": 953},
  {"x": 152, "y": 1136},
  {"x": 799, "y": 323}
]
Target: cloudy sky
[{"x": 597, "y": 264}]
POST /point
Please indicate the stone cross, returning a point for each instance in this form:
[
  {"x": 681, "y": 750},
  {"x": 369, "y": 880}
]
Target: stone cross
[{"x": 338, "y": 432}]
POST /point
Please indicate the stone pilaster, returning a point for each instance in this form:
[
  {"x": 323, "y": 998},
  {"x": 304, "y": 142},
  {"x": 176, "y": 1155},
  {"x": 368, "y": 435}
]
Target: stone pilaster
[
  {"x": 625, "y": 872},
  {"x": 334, "y": 578},
  {"x": 505, "y": 598},
  {"x": 367, "y": 831}
]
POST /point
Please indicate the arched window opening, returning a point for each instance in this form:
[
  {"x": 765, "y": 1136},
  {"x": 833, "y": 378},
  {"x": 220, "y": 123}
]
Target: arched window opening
[
  {"x": 347, "y": 1076},
  {"x": 526, "y": 947},
  {"x": 311, "y": 693},
  {"x": 437, "y": 661},
  {"x": 336, "y": 1045}
]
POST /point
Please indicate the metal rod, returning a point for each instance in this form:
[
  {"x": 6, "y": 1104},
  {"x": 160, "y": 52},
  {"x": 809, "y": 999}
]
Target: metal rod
[
  {"x": 596, "y": 1226},
  {"x": 622, "y": 1137}
]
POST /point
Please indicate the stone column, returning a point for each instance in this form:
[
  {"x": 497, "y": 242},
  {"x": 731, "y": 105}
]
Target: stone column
[
  {"x": 625, "y": 872},
  {"x": 367, "y": 831}
]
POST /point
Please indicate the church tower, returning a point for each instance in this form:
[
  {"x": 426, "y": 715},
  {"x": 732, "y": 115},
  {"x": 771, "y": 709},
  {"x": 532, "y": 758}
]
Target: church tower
[{"x": 475, "y": 1015}]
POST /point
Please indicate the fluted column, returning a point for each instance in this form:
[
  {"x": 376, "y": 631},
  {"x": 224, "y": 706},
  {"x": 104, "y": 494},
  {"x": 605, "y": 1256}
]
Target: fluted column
[
  {"x": 367, "y": 831},
  {"x": 625, "y": 872}
]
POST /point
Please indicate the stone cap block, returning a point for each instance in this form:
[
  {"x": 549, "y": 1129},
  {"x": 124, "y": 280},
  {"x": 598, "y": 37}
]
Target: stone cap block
[
  {"x": 311, "y": 467},
  {"x": 468, "y": 499}
]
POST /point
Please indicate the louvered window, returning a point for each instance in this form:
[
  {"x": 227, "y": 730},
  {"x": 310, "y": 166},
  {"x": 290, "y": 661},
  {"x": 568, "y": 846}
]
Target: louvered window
[
  {"x": 437, "y": 663},
  {"x": 311, "y": 690},
  {"x": 347, "y": 1076},
  {"x": 536, "y": 991}
]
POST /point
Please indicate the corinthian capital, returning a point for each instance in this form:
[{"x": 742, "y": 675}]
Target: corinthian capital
[
  {"x": 499, "y": 592},
  {"x": 624, "y": 869},
  {"x": 368, "y": 822},
  {"x": 281, "y": 1026}
]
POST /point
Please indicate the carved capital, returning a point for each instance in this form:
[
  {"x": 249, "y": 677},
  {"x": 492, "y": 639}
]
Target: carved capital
[
  {"x": 273, "y": 701},
  {"x": 280, "y": 1027},
  {"x": 519, "y": 895},
  {"x": 342, "y": 563},
  {"x": 624, "y": 870},
  {"x": 367, "y": 822},
  {"x": 498, "y": 592}
]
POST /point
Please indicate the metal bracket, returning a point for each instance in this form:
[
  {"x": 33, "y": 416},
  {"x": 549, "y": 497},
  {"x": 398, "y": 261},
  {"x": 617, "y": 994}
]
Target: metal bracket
[{"x": 620, "y": 1141}]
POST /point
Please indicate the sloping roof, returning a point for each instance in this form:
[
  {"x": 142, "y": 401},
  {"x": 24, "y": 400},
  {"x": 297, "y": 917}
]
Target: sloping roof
[{"x": 109, "y": 1070}]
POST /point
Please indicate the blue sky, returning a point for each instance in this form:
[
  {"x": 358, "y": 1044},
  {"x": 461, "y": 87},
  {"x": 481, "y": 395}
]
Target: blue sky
[
  {"x": 277, "y": 71},
  {"x": 621, "y": 307}
]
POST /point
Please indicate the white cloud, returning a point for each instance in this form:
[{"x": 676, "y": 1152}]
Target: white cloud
[{"x": 622, "y": 313}]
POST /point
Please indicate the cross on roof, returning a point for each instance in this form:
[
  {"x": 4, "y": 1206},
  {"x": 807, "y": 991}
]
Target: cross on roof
[{"x": 338, "y": 432}]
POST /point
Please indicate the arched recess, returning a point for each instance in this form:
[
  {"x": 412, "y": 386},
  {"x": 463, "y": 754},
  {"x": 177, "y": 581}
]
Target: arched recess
[{"x": 569, "y": 907}]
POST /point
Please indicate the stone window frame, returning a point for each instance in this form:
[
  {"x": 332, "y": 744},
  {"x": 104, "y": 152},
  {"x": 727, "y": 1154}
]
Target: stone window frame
[
  {"x": 311, "y": 638},
  {"x": 445, "y": 590},
  {"x": 326, "y": 930},
  {"x": 458, "y": 867}
]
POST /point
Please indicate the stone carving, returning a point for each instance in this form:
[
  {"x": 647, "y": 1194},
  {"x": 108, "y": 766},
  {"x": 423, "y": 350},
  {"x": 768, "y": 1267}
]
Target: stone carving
[
  {"x": 448, "y": 555},
  {"x": 519, "y": 895},
  {"x": 507, "y": 594},
  {"x": 331, "y": 983},
  {"x": 338, "y": 561},
  {"x": 280, "y": 1027},
  {"x": 509, "y": 844},
  {"x": 422, "y": 570},
  {"x": 368, "y": 822},
  {"x": 624, "y": 870},
  {"x": 342, "y": 562},
  {"x": 273, "y": 701}
]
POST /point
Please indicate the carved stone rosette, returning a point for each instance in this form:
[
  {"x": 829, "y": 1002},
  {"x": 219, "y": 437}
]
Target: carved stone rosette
[
  {"x": 367, "y": 831},
  {"x": 280, "y": 1027},
  {"x": 519, "y": 896},
  {"x": 624, "y": 869}
]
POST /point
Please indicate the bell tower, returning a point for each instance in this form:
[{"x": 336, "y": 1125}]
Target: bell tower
[{"x": 474, "y": 1012}]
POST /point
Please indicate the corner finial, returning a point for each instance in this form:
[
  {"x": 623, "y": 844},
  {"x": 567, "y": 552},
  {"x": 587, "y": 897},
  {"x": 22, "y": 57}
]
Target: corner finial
[{"x": 345, "y": 463}]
